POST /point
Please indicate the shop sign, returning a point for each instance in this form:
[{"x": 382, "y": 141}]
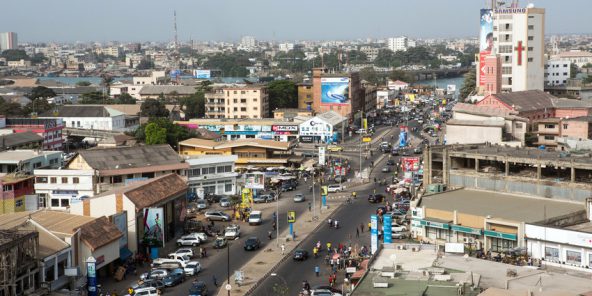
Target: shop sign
[
  {"x": 508, "y": 236},
  {"x": 284, "y": 128},
  {"x": 306, "y": 139},
  {"x": 465, "y": 229},
  {"x": 434, "y": 224},
  {"x": 366, "y": 139}
]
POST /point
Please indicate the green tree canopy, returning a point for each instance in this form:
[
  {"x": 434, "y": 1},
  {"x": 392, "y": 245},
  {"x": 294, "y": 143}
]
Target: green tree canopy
[
  {"x": 10, "y": 108},
  {"x": 573, "y": 70},
  {"x": 41, "y": 92},
  {"x": 125, "y": 99},
  {"x": 83, "y": 83},
  {"x": 370, "y": 75},
  {"x": 154, "y": 108},
  {"x": 155, "y": 134},
  {"x": 37, "y": 106},
  {"x": 94, "y": 97},
  {"x": 469, "y": 85},
  {"x": 194, "y": 105},
  {"x": 282, "y": 94},
  {"x": 401, "y": 75},
  {"x": 231, "y": 64},
  {"x": 14, "y": 55},
  {"x": 174, "y": 132}
]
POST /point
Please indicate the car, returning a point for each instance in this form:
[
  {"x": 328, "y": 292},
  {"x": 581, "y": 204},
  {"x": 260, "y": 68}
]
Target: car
[
  {"x": 198, "y": 289},
  {"x": 192, "y": 208},
  {"x": 404, "y": 152},
  {"x": 324, "y": 292},
  {"x": 232, "y": 232},
  {"x": 225, "y": 202},
  {"x": 252, "y": 243},
  {"x": 334, "y": 188},
  {"x": 399, "y": 235},
  {"x": 334, "y": 148},
  {"x": 386, "y": 169},
  {"x": 376, "y": 198},
  {"x": 217, "y": 216},
  {"x": 202, "y": 204},
  {"x": 390, "y": 162},
  {"x": 174, "y": 278},
  {"x": 260, "y": 199},
  {"x": 180, "y": 260},
  {"x": 192, "y": 268},
  {"x": 181, "y": 252},
  {"x": 398, "y": 228},
  {"x": 149, "y": 291},
  {"x": 395, "y": 151},
  {"x": 255, "y": 218},
  {"x": 154, "y": 283},
  {"x": 322, "y": 287},
  {"x": 299, "y": 197},
  {"x": 360, "y": 131},
  {"x": 192, "y": 225},
  {"x": 154, "y": 274},
  {"x": 188, "y": 240},
  {"x": 300, "y": 255},
  {"x": 220, "y": 242},
  {"x": 287, "y": 186},
  {"x": 339, "y": 179},
  {"x": 417, "y": 150}
]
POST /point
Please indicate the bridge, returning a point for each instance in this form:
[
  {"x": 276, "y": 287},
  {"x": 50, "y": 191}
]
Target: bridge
[{"x": 86, "y": 133}]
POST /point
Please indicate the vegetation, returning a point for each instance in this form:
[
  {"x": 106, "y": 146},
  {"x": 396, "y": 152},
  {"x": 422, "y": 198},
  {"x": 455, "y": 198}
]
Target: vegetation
[
  {"x": 231, "y": 64},
  {"x": 194, "y": 105},
  {"x": 370, "y": 75},
  {"x": 145, "y": 65},
  {"x": 174, "y": 133},
  {"x": 41, "y": 92},
  {"x": 125, "y": 99},
  {"x": 155, "y": 134},
  {"x": 154, "y": 108},
  {"x": 282, "y": 94},
  {"x": 573, "y": 71},
  {"x": 10, "y": 108},
  {"x": 469, "y": 85},
  {"x": 95, "y": 97},
  {"x": 83, "y": 83},
  {"x": 401, "y": 75},
  {"x": 14, "y": 55}
]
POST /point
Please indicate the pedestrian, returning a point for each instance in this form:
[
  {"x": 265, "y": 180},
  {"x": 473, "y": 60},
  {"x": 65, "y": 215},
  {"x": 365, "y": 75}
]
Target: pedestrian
[
  {"x": 283, "y": 248},
  {"x": 362, "y": 227},
  {"x": 357, "y": 233},
  {"x": 317, "y": 270},
  {"x": 309, "y": 206},
  {"x": 269, "y": 234},
  {"x": 215, "y": 280}
]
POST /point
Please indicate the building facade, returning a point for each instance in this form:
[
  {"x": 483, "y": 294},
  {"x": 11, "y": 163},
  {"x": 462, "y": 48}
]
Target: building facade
[
  {"x": 92, "y": 117},
  {"x": 58, "y": 189},
  {"x": 400, "y": 43},
  {"x": 557, "y": 72},
  {"x": 212, "y": 174},
  {"x": 305, "y": 96},
  {"x": 215, "y": 103},
  {"x": 234, "y": 129},
  {"x": 348, "y": 102},
  {"x": 8, "y": 40},
  {"x": 246, "y": 102},
  {"x": 14, "y": 190},
  {"x": 49, "y": 129}
]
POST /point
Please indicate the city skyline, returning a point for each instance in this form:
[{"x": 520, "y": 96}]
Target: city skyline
[{"x": 265, "y": 20}]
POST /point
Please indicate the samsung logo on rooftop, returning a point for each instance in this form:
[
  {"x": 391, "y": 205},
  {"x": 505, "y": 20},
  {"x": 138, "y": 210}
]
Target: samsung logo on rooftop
[{"x": 510, "y": 11}]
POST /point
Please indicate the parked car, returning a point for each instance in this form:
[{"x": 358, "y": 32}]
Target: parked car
[
  {"x": 339, "y": 179},
  {"x": 417, "y": 150},
  {"x": 198, "y": 289},
  {"x": 386, "y": 169},
  {"x": 260, "y": 199},
  {"x": 252, "y": 243},
  {"x": 398, "y": 228},
  {"x": 299, "y": 197},
  {"x": 334, "y": 188},
  {"x": 192, "y": 208},
  {"x": 149, "y": 291},
  {"x": 232, "y": 232},
  {"x": 225, "y": 202},
  {"x": 154, "y": 274},
  {"x": 395, "y": 152},
  {"x": 192, "y": 268},
  {"x": 390, "y": 162},
  {"x": 220, "y": 243},
  {"x": 334, "y": 148},
  {"x": 300, "y": 255},
  {"x": 376, "y": 198},
  {"x": 149, "y": 283},
  {"x": 255, "y": 218},
  {"x": 202, "y": 204},
  {"x": 217, "y": 216},
  {"x": 287, "y": 186},
  {"x": 399, "y": 235},
  {"x": 174, "y": 278},
  {"x": 181, "y": 252}
]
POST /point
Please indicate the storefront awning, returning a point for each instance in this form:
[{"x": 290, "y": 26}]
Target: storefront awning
[
  {"x": 508, "y": 236},
  {"x": 124, "y": 253},
  {"x": 434, "y": 224},
  {"x": 470, "y": 230}
]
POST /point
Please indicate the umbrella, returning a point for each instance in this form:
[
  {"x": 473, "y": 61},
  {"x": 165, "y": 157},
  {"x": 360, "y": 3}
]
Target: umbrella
[{"x": 400, "y": 190}]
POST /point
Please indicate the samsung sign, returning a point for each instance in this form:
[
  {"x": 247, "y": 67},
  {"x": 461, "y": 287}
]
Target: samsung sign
[{"x": 510, "y": 11}]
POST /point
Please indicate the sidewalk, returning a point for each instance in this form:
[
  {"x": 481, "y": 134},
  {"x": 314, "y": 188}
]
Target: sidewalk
[{"x": 262, "y": 264}]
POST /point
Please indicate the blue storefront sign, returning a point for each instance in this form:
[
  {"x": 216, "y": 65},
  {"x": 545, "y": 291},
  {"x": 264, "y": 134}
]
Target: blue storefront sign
[
  {"x": 464, "y": 229},
  {"x": 508, "y": 236},
  {"x": 373, "y": 233},
  {"x": 387, "y": 229},
  {"x": 91, "y": 276}
]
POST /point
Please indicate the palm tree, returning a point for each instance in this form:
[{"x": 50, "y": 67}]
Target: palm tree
[{"x": 106, "y": 82}]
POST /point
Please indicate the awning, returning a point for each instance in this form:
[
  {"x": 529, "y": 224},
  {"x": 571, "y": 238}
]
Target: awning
[
  {"x": 466, "y": 229},
  {"x": 124, "y": 253},
  {"x": 502, "y": 235}
]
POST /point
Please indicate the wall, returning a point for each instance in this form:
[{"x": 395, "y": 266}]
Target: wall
[
  {"x": 109, "y": 251},
  {"x": 463, "y": 134},
  {"x": 571, "y": 113},
  {"x": 97, "y": 123},
  {"x": 305, "y": 95},
  {"x": 439, "y": 214},
  {"x": 540, "y": 237},
  {"x": 84, "y": 187},
  {"x": 469, "y": 220}
]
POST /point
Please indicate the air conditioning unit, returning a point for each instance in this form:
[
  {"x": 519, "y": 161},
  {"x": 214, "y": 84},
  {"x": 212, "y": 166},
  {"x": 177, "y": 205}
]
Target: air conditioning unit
[{"x": 466, "y": 240}]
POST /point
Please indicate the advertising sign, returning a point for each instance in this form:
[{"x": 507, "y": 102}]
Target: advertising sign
[
  {"x": 306, "y": 139},
  {"x": 120, "y": 221},
  {"x": 91, "y": 275},
  {"x": 335, "y": 91},
  {"x": 451, "y": 88},
  {"x": 366, "y": 139},
  {"x": 202, "y": 74},
  {"x": 387, "y": 229},
  {"x": 321, "y": 155},
  {"x": 410, "y": 164},
  {"x": 291, "y": 217},
  {"x": 485, "y": 41},
  {"x": 284, "y": 128},
  {"x": 247, "y": 197},
  {"x": 373, "y": 233},
  {"x": 402, "y": 138},
  {"x": 153, "y": 230},
  {"x": 255, "y": 180},
  {"x": 175, "y": 74}
]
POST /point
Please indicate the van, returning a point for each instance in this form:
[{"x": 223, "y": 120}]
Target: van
[{"x": 255, "y": 218}]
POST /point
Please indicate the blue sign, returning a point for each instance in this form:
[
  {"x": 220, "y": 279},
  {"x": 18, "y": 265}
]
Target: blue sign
[
  {"x": 202, "y": 74},
  {"x": 175, "y": 73},
  {"x": 324, "y": 200},
  {"x": 91, "y": 275},
  {"x": 373, "y": 233},
  {"x": 402, "y": 139},
  {"x": 387, "y": 229},
  {"x": 335, "y": 90}
]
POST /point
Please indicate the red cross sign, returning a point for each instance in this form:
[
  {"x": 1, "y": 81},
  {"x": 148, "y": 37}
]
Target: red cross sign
[{"x": 520, "y": 49}]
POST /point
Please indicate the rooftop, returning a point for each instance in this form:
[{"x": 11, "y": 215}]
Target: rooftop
[
  {"x": 17, "y": 139},
  {"x": 81, "y": 111},
  {"x": 533, "y": 100},
  {"x": 243, "y": 121},
  {"x": 13, "y": 178},
  {"x": 15, "y": 156},
  {"x": 486, "y": 111},
  {"x": 167, "y": 89},
  {"x": 488, "y": 122},
  {"x": 332, "y": 117},
  {"x": 499, "y": 205},
  {"x": 209, "y": 144}
]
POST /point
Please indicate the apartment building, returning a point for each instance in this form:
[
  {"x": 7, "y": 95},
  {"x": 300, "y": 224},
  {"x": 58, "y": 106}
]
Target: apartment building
[
  {"x": 557, "y": 72},
  {"x": 215, "y": 103},
  {"x": 238, "y": 102}
]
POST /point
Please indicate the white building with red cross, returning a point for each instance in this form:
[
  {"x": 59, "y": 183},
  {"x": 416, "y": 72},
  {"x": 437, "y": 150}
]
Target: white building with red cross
[{"x": 519, "y": 39}]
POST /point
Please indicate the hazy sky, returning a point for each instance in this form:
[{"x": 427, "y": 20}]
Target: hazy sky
[{"x": 228, "y": 20}]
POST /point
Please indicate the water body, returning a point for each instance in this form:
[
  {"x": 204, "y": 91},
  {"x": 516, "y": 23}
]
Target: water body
[
  {"x": 442, "y": 83},
  {"x": 97, "y": 80}
]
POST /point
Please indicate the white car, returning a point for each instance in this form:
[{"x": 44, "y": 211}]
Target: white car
[
  {"x": 192, "y": 268},
  {"x": 189, "y": 240},
  {"x": 398, "y": 228},
  {"x": 202, "y": 204},
  {"x": 154, "y": 274},
  {"x": 335, "y": 188},
  {"x": 149, "y": 291},
  {"x": 181, "y": 252},
  {"x": 225, "y": 202},
  {"x": 232, "y": 232},
  {"x": 255, "y": 218}
]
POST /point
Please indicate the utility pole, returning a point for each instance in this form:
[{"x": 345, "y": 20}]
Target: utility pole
[{"x": 361, "y": 142}]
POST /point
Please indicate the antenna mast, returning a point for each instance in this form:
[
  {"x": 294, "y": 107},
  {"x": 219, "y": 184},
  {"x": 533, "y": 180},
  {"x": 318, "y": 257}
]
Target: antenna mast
[{"x": 176, "y": 45}]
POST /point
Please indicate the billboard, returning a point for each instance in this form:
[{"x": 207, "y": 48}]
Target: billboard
[
  {"x": 321, "y": 155},
  {"x": 291, "y": 216},
  {"x": 387, "y": 229},
  {"x": 153, "y": 229},
  {"x": 410, "y": 164},
  {"x": 175, "y": 74},
  {"x": 120, "y": 221},
  {"x": 202, "y": 74},
  {"x": 373, "y": 233},
  {"x": 255, "y": 180},
  {"x": 247, "y": 197},
  {"x": 485, "y": 41},
  {"x": 335, "y": 91}
]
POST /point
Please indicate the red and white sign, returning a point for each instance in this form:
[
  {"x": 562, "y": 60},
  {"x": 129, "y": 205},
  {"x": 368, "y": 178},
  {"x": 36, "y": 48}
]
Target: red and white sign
[
  {"x": 284, "y": 128},
  {"x": 410, "y": 164}
]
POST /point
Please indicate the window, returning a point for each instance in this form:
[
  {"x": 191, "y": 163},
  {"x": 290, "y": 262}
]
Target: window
[
  {"x": 573, "y": 257},
  {"x": 235, "y": 101},
  {"x": 550, "y": 138},
  {"x": 41, "y": 180},
  {"x": 65, "y": 202},
  {"x": 75, "y": 180},
  {"x": 243, "y": 92},
  {"x": 117, "y": 179},
  {"x": 64, "y": 180},
  {"x": 530, "y": 59},
  {"x": 194, "y": 172},
  {"x": 55, "y": 202},
  {"x": 518, "y": 125},
  {"x": 531, "y": 27},
  {"x": 211, "y": 170},
  {"x": 18, "y": 203},
  {"x": 500, "y": 245},
  {"x": 551, "y": 253},
  {"x": 7, "y": 187},
  {"x": 243, "y": 109},
  {"x": 53, "y": 180},
  {"x": 228, "y": 186},
  {"x": 530, "y": 48},
  {"x": 244, "y": 101},
  {"x": 565, "y": 126},
  {"x": 255, "y": 100},
  {"x": 235, "y": 109},
  {"x": 148, "y": 175},
  {"x": 78, "y": 123},
  {"x": 255, "y": 108},
  {"x": 530, "y": 38},
  {"x": 549, "y": 126}
]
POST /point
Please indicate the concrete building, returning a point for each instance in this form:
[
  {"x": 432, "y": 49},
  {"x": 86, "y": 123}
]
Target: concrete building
[
  {"x": 26, "y": 140},
  {"x": 550, "y": 130},
  {"x": 557, "y": 72},
  {"x": 233, "y": 129},
  {"x": 519, "y": 39},
  {"x": 353, "y": 100},
  {"x": 16, "y": 193},
  {"x": 305, "y": 96},
  {"x": 212, "y": 174},
  {"x": 215, "y": 103},
  {"x": 25, "y": 161},
  {"x": 49, "y": 129},
  {"x": 21, "y": 252},
  {"x": 327, "y": 127},
  {"x": 472, "y": 124},
  {"x": 93, "y": 117},
  {"x": 400, "y": 43},
  {"x": 246, "y": 102},
  {"x": 169, "y": 91},
  {"x": 291, "y": 114},
  {"x": 8, "y": 40},
  {"x": 574, "y": 88},
  {"x": 370, "y": 52},
  {"x": 577, "y": 57},
  {"x": 58, "y": 189}
]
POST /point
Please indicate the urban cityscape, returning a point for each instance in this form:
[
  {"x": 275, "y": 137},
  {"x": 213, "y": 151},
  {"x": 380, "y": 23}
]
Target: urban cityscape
[{"x": 264, "y": 162}]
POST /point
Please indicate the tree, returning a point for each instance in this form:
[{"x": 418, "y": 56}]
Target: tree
[
  {"x": 145, "y": 65},
  {"x": 125, "y": 99},
  {"x": 154, "y": 108},
  {"x": 573, "y": 70},
  {"x": 469, "y": 85},
  {"x": 106, "y": 81},
  {"x": 14, "y": 55},
  {"x": 282, "y": 94},
  {"x": 369, "y": 74},
  {"x": 10, "y": 108},
  {"x": 155, "y": 134},
  {"x": 37, "y": 106},
  {"x": 401, "y": 75},
  {"x": 174, "y": 132},
  {"x": 83, "y": 83},
  {"x": 38, "y": 58},
  {"x": 95, "y": 97},
  {"x": 41, "y": 92},
  {"x": 194, "y": 105}
]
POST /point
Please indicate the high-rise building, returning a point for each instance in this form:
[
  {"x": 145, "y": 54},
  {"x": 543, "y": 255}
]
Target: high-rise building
[
  {"x": 8, "y": 40},
  {"x": 519, "y": 39},
  {"x": 248, "y": 42},
  {"x": 400, "y": 43}
]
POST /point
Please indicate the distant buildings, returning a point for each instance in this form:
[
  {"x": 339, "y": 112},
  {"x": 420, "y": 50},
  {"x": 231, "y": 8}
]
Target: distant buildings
[
  {"x": 8, "y": 40},
  {"x": 93, "y": 117},
  {"x": 578, "y": 57},
  {"x": 370, "y": 52},
  {"x": 400, "y": 43}
]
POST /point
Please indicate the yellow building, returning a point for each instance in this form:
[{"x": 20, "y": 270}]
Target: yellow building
[
  {"x": 305, "y": 99},
  {"x": 13, "y": 190},
  {"x": 250, "y": 152}
]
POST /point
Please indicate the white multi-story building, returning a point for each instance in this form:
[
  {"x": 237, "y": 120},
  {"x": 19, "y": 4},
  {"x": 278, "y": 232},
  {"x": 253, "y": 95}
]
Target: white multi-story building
[
  {"x": 8, "y": 40},
  {"x": 577, "y": 57},
  {"x": 370, "y": 52},
  {"x": 212, "y": 174},
  {"x": 93, "y": 117},
  {"x": 248, "y": 43},
  {"x": 285, "y": 47},
  {"x": 519, "y": 39},
  {"x": 557, "y": 72},
  {"x": 58, "y": 189},
  {"x": 400, "y": 43}
]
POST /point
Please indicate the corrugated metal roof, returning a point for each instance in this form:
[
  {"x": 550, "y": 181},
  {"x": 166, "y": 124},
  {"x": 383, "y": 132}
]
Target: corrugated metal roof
[{"x": 119, "y": 158}]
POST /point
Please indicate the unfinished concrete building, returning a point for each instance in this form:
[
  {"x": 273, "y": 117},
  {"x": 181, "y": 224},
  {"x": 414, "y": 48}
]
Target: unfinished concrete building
[
  {"x": 530, "y": 171},
  {"x": 19, "y": 262}
]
